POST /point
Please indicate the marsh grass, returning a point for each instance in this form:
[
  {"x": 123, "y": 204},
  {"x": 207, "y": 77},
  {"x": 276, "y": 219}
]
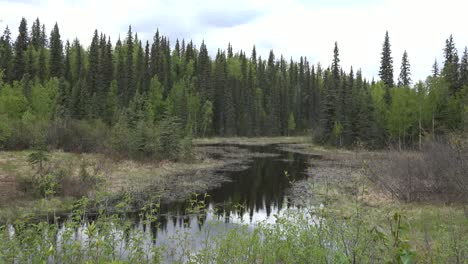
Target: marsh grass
[
  {"x": 251, "y": 141},
  {"x": 314, "y": 234},
  {"x": 113, "y": 177}
]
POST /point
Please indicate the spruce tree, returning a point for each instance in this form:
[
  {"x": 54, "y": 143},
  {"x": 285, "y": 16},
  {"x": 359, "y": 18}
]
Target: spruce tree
[
  {"x": 405, "y": 72},
  {"x": 43, "y": 40},
  {"x": 77, "y": 65},
  {"x": 129, "y": 68},
  {"x": 146, "y": 71},
  {"x": 335, "y": 68},
  {"x": 464, "y": 68},
  {"x": 6, "y": 54},
  {"x": 139, "y": 64},
  {"x": 203, "y": 74},
  {"x": 30, "y": 63},
  {"x": 21, "y": 45},
  {"x": 63, "y": 99},
  {"x": 67, "y": 72},
  {"x": 386, "y": 63},
  {"x": 120, "y": 74},
  {"x": 42, "y": 66},
  {"x": 220, "y": 88},
  {"x": 328, "y": 107},
  {"x": 93, "y": 80},
  {"x": 107, "y": 61},
  {"x": 166, "y": 71},
  {"x": 155, "y": 61},
  {"x": 229, "y": 51},
  {"x": 177, "y": 49},
  {"x": 56, "y": 53},
  {"x": 36, "y": 35},
  {"x": 386, "y": 68},
  {"x": 435, "y": 69},
  {"x": 451, "y": 67}
]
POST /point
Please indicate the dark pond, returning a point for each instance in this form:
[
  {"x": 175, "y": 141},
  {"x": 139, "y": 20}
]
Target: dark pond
[
  {"x": 257, "y": 192},
  {"x": 252, "y": 195}
]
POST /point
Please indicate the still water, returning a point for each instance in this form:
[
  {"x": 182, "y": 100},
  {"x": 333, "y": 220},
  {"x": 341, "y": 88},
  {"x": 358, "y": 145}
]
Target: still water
[{"x": 254, "y": 194}]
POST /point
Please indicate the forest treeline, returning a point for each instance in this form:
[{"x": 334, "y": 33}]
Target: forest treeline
[{"x": 144, "y": 98}]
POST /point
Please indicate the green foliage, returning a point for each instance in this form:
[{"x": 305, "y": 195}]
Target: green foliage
[
  {"x": 291, "y": 123},
  {"x": 403, "y": 114},
  {"x": 47, "y": 185},
  {"x": 207, "y": 115},
  {"x": 155, "y": 96},
  {"x": 338, "y": 131},
  {"x": 5, "y": 130},
  {"x": 386, "y": 64},
  {"x": 170, "y": 137},
  {"x": 119, "y": 135},
  {"x": 39, "y": 157},
  {"x": 229, "y": 95},
  {"x": 12, "y": 101}
]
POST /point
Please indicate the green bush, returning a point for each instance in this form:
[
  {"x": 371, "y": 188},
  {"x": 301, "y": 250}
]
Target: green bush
[
  {"x": 78, "y": 135},
  {"x": 170, "y": 138}
]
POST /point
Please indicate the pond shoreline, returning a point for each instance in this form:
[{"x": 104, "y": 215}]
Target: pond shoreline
[{"x": 165, "y": 180}]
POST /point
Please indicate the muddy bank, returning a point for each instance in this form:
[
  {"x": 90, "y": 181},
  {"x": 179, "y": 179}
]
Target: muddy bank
[
  {"x": 213, "y": 163},
  {"x": 171, "y": 181},
  {"x": 251, "y": 141}
]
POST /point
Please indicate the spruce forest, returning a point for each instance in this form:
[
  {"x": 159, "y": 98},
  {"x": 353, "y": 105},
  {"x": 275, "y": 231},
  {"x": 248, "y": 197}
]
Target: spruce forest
[{"x": 72, "y": 95}]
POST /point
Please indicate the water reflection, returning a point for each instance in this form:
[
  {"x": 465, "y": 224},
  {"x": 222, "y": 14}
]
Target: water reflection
[{"x": 252, "y": 196}]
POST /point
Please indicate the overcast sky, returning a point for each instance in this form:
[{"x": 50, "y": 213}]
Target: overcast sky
[{"x": 292, "y": 28}]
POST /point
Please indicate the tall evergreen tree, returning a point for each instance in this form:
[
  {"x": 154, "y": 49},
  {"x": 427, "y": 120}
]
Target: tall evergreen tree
[
  {"x": 155, "y": 63},
  {"x": 203, "y": 73},
  {"x": 335, "y": 68},
  {"x": 435, "y": 69},
  {"x": 131, "y": 86},
  {"x": 42, "y": 66},
  {"x": 43, "y": 40},
  {"x": 56, "y": 53},
  {"x": 405, "y": 72},
  {"x": 67, "y": 72},
  {"x": 328, "y": 107},
  {"x": 386, "y": 63},
  {"x": 93, "y": 80},
  {"x": 386, "y": 68},
  {"x": 220, "y": 88},
  {"x": 21, "y": 45},
  {"x": 121, "y": 74},
  {"x": 107, "y": 64},
  {"x": 464, "y": 68},
  {"x": 451, "y": 65},
  {"x": 146, "y": 71},
  {"x": 36, "y": 35},
  {"x": 139, "y": 64},
  {"x": 6, "y": 54},
  {"x": 63, "y": 99}
]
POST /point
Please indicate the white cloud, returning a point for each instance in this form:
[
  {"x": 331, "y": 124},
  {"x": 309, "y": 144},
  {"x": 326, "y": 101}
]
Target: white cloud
[{"x": 291, "y": 28}]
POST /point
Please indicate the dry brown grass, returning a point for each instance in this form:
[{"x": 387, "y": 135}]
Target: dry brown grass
[
  {"x": 437, "y": 173},
  {"x": 172, "y": 180},
  {"x": 252, "y": 141}
]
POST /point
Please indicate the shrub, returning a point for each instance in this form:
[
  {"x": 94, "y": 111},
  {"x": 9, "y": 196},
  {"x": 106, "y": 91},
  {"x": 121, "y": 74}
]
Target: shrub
[
  {"x": 78, "y": 135},
  {"x": 170, "y": 137},
  {"x": 437, "y": 172}
]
